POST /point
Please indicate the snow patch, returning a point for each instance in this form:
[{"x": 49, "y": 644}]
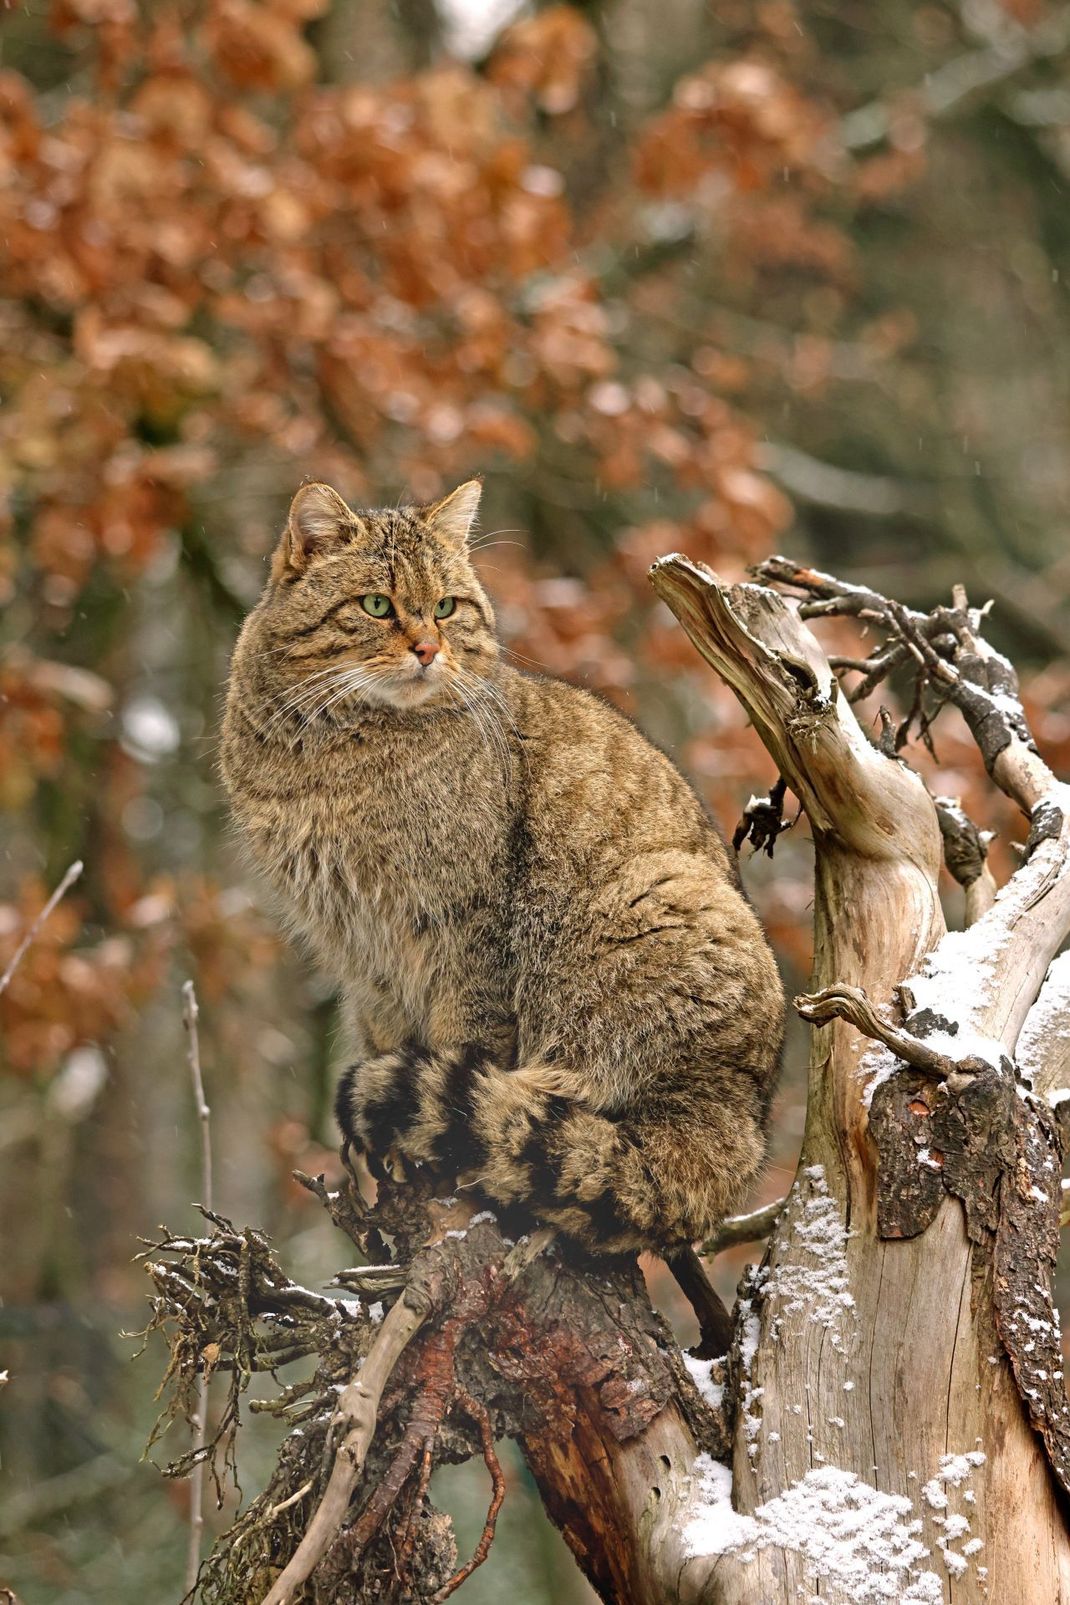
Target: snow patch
[
  {"x": 860, "y": 1541},
  {"x": 955, "y": 980},
  {"x": 700, "y": 1371},
  {"x": 958, "y": 974},
  {"x": 864, "y": 1543},
  {"x": 876, "y": 1066},
  {"x": 954, "y": 1471},
  {"x": 750, "y": 1332},
  {"x": 713, "y": 1527},
  {"x": 752, "y": 1328},
  {"x": 811, "y": 1274},
  {"x": 1047, "y": 1022}
]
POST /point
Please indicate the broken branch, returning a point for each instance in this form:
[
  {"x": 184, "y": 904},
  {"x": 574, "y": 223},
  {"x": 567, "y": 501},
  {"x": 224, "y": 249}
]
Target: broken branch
[
  {"x": 750, "y": 1228},
  {"x": 357, "y": 1413},
  {"x": 966, "y": 856},
  {"x": 850, "y": 1003}
]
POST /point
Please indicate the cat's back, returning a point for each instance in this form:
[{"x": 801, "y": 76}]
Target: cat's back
[{"x": 595, "y": 785}]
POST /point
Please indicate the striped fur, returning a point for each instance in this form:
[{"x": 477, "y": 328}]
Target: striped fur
[
  {"x": 613, "y": 1185},
  {"x": 480, "y": 856}
]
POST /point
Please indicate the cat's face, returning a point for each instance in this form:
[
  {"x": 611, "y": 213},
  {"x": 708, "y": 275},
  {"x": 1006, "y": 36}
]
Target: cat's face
[{"x": 379, "y": 607}]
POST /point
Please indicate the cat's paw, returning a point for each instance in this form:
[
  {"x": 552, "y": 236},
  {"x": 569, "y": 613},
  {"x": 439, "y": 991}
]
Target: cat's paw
[
  {"x": 377, "y": 1107},
  {"x": 366, "y": 1107}
]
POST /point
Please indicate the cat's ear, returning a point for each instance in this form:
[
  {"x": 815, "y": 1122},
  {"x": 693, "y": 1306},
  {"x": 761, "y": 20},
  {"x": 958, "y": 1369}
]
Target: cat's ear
[
  {"x": 319, "y": 520},
  {"x": 452, "y": 518}
]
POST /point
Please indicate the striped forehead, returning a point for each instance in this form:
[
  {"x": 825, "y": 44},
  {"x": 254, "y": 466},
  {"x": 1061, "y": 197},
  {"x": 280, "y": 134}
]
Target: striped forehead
[{"x": 417, "y": 567}]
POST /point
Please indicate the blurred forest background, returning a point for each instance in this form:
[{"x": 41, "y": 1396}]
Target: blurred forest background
[{"x": 727, "y": 278}]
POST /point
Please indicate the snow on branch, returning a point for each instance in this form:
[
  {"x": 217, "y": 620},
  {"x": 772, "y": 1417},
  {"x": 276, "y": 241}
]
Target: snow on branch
[{"x": 1043, "y": 1054}]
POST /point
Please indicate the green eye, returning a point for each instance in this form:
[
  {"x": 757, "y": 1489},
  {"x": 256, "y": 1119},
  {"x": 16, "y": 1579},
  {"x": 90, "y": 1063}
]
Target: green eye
[
  {"x": 378, "y": 606},
  {"x": 444, "y": 608}
]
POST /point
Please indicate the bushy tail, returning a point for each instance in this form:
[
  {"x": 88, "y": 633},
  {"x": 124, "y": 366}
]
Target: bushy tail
[{"x": 612, "y": 1184}]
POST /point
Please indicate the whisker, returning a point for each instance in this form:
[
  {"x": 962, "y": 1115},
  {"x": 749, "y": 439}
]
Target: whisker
[
  {"x": 348, "y": 677},
  {"x": 491, "y": 692},
  {"x": 489, "y": 732},
  {"x": 485, "y": 698},
  {"x": 354, "y": 680},
  {"x": 536, "y": 663},
  {"x": 489, "y": 535},
  {"x": 274, "y": 651},
  {"x": 476, "y": 713},
  {"x": 307, "y": 691}
]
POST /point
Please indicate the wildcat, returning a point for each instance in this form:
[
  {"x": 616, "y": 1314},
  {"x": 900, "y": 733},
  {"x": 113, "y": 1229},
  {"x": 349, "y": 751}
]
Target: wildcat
[{"x": 554, "y": 985}]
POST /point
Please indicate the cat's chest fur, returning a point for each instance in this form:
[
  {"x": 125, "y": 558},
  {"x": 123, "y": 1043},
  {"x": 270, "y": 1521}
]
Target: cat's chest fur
[{"x": 387, "y": 852}]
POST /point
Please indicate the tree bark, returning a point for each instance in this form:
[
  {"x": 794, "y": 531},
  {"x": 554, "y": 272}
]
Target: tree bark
[{"x": 913, "y": 1368}]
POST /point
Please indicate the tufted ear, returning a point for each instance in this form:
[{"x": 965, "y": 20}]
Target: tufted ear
[
  {"x": 452, "y": 518},
  {"x": 319, "y": 520}
]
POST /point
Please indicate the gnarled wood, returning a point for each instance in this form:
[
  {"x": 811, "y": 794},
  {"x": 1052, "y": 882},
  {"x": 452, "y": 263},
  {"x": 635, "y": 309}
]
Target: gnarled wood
[{"x": 912, "y": 1368}]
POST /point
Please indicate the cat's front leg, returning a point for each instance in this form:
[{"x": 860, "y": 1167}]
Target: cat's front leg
[{"x": 385, "y": 1105}]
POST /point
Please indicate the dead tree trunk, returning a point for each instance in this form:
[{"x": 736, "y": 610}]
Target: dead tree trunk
[
  {"x": 905, "y": 1304},
  {"x": 894, "y": 1423}
]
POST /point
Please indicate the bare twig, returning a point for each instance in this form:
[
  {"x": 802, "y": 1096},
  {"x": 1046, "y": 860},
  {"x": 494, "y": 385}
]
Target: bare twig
[
  {"x": 285, "y": 1504},
  {"x": 374, "y": 1279},
  {"x": 357, "y": 1411},
  {"x": 64, "y": 886},
  {"x": 850, "y": 1003},
  {"x": 190, "y": 1014},
  {"x": 744, "y": 1228},
  {"x": 952, "y": 663},
  {"x": 966, "y": 856}
]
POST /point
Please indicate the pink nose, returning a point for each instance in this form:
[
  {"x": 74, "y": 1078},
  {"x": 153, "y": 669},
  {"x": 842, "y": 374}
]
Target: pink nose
[{"x": 426, "y": 652}]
